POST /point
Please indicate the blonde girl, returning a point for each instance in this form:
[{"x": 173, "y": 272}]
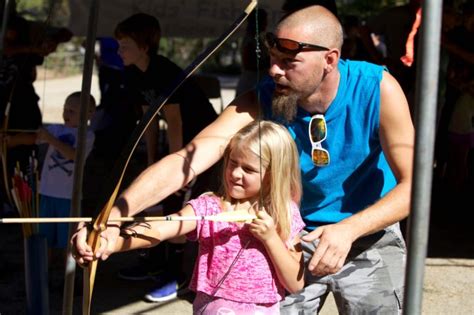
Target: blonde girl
[{"x": 243, "y": 268}]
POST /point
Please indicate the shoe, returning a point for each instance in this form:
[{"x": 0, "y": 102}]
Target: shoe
[
  {"x": 167, "y": 289},
  {"x": 137, "y": 273}
]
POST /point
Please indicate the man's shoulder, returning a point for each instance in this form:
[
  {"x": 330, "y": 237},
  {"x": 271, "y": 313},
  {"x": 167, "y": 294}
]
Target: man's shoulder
[
  {"x": 359, "y": 64},
  {"x": 353, "y": 68}
]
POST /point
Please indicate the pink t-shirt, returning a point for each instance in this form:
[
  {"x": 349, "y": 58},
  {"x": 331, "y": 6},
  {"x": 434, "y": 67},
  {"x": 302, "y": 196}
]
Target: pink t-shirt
[{"x": 252, "y": 278}]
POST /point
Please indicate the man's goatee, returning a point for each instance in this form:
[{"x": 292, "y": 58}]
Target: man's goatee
[{"x": 285, "y": 106}]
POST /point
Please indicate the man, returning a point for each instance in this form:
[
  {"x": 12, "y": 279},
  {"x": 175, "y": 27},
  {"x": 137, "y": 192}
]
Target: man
[{"x": 356, "y": 167}]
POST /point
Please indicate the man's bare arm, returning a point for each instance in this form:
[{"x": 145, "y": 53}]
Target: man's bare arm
[
  {"x": 171, "y": 173},
  {"x": 397, "y": 137},
  {"x": 397, "y": 140},
  {"x": 177, "y": 169}
]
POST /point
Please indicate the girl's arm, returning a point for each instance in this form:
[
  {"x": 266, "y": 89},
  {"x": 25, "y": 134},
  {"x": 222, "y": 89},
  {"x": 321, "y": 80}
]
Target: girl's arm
[
  {"x": 288, "y": 263},
  {"x": 149, "y": 234}
]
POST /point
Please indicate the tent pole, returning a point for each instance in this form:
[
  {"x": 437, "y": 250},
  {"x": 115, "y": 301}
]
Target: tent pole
[
  {"x": 425, "y": 116},
  {"x": 68, "y": 294}
]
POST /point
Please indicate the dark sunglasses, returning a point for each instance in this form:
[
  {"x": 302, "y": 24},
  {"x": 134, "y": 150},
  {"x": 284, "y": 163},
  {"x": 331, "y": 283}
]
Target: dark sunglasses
[
  {"x": 289, "y": 46},
  {"x": 317, "y": 133}
]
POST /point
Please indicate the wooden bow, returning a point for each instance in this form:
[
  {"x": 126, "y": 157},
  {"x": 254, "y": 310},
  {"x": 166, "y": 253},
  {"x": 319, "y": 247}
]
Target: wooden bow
[{"x": 100, "y": 223}]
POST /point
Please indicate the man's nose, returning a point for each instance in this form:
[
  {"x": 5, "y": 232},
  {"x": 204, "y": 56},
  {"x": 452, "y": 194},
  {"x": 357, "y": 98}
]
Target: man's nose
[{"x": 275, "y": 70}]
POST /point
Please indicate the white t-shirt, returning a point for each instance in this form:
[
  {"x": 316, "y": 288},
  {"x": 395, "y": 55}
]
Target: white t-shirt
[{"x": 58, "y": 172}]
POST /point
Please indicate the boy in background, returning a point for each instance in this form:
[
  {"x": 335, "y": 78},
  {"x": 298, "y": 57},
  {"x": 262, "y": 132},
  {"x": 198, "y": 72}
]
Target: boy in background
[
  {"x": 147, "y": 76},
  {"x": 57, "y": 172}
]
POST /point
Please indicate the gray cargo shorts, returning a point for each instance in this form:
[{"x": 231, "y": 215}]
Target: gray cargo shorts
[{"x": 370, "y": 282}]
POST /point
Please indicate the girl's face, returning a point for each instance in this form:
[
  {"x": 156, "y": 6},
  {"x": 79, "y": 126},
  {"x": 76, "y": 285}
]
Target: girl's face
[
  {"x": 130, "y": 52},
  {"x": 242, "y": 175}
]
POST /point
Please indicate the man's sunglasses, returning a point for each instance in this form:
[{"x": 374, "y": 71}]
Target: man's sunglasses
[
  {"x": 317, "y": 133},
  {"x": 289, "y": 46}
]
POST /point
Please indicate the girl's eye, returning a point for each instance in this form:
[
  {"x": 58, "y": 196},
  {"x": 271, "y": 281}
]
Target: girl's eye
[{"x": 250, "y": 170}]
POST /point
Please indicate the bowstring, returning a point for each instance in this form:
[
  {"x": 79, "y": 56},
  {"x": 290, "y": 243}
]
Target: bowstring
[
  {"x": 259, "y": 114},
  {"x": 258, "y": 55}
]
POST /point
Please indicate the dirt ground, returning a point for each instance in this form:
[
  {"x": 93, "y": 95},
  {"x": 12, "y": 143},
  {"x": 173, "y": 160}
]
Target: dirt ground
[
  {"x": 448, "y": 288},
  {"x": 449, "y": 269}
]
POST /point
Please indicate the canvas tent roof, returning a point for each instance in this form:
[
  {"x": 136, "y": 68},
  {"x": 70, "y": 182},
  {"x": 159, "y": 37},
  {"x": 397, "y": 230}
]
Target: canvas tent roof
[{"x": 178, "y": 18}]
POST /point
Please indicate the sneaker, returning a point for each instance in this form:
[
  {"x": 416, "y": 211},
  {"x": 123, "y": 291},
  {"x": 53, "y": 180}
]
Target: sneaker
[
  {"x": 137, "y": 273},
  {"x": 167, "y": 289}
]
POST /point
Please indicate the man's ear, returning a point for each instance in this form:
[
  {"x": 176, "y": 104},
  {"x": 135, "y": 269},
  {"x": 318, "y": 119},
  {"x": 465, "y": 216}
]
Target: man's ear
[{"x": 332, "y": 59}]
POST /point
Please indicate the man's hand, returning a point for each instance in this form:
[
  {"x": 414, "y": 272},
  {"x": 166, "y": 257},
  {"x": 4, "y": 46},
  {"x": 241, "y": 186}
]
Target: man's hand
[
  {"x": 263, "y": 227},
  {"x": 335, "y": 241},
  {"x": 82, "y": 252}
]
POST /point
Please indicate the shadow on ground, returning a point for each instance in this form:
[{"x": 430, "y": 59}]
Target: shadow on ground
[{"x": 450, "y": 237}]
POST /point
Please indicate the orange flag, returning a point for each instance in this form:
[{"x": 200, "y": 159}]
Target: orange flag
[{"x": 410, "y": 44}]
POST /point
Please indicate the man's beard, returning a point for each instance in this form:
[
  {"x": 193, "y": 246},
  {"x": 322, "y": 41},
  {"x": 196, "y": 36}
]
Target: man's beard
[{"x": 285, "y": 106}]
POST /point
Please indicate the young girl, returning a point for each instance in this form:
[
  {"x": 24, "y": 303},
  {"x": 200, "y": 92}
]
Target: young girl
[{"x": 244, "y": 268}]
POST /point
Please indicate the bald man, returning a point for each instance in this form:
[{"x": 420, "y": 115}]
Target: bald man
[{"x": 351, "y": 123}]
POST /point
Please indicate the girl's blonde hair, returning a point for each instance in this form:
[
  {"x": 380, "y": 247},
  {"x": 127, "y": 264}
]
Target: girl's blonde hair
[{"x": 277, "y": 151}]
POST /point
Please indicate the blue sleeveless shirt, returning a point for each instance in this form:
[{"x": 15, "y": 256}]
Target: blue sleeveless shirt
[{"x": 358, "y": 174}]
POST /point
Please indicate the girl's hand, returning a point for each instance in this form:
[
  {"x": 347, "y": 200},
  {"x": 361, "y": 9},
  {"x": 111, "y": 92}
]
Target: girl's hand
[
  {"x": 263, "y": 227},
  {"x": 82, "y": 252}
]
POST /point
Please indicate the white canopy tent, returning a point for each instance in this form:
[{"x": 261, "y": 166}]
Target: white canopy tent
[{"x": 178, "y": 18}]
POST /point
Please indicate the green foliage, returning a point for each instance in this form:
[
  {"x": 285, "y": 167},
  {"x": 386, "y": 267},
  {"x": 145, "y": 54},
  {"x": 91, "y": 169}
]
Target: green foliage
[{"x": 56, "y": 12}]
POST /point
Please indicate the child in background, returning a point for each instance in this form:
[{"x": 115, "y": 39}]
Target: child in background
[
  {"x": 57, "y": 172},
  {"x": 148, "y": 75},
  {"x": 242, "y": 268}
]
